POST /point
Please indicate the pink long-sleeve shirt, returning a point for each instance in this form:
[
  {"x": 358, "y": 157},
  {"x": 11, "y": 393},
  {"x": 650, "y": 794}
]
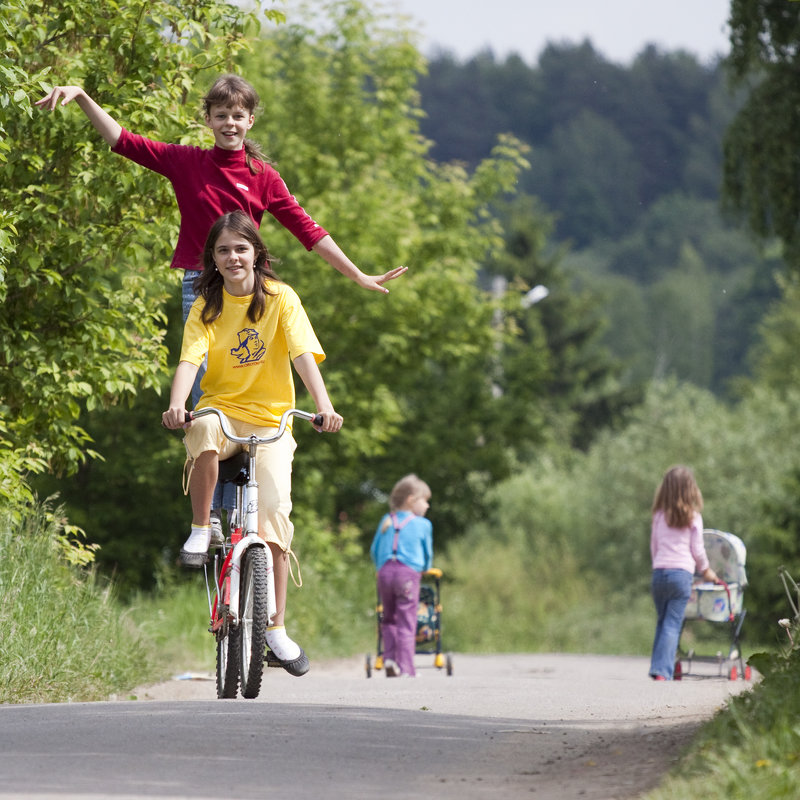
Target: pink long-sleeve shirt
[
  {"x": 678, "y": 548},
  {"x": 209, "y": 182}
]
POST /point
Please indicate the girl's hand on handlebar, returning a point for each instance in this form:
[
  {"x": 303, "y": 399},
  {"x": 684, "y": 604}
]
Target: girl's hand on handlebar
[
  {"x": 331, "y": 422},
  {"x": 175, "y": 417}
]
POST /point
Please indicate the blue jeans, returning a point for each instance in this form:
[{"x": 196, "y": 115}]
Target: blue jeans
[
  {"x": 671, "y": 589},
  {"x": 224, "y": 493}
]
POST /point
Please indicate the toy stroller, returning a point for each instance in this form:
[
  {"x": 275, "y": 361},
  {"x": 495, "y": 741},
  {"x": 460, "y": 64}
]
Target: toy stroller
[
  {"x": 723, "y": 603},
  {"x": 429, "y": 625}
]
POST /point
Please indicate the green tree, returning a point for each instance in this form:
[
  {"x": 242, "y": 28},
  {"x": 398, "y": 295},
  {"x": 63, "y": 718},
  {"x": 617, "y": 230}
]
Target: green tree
[
  {"x": 343, "y": 122},
  {"x": 82, "y": 319},
  {"x": 410, "y": 370},
  {"x": 606, "y": 140},
  {"x": 774, "y": 356},
  {"x": 594, "y": 174},
  {"x": 15, "y": 86},
  {"x": 555, "y": 374},
  {"x": 682, "y": 320},
  {"x": 762, "y": 163},
  {"x": 682, "y": 253}
]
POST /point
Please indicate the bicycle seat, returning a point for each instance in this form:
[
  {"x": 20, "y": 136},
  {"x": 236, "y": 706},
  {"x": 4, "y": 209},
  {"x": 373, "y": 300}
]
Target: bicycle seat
[{"x": 235, "y": 469}]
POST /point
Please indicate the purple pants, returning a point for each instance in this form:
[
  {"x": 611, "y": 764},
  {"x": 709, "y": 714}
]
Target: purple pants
[{"x": 398, "y": 587}]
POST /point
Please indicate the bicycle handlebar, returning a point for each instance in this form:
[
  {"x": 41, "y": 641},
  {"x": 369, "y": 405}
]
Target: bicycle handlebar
[{"x": 315, "y": 419}]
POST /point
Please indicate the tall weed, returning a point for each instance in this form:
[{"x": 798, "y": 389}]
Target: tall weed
[
  {"x": 64, "y": 636},
  {"x": 752, "y": 748}
]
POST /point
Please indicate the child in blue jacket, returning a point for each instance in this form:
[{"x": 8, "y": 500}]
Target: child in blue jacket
[{"x": 401, "y": 550}]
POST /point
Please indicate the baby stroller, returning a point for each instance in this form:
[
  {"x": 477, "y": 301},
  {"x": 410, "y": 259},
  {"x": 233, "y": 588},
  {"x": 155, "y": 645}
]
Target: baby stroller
[
  {"x": 720, "y": 604},
  {"x": 429, "y": 625}
]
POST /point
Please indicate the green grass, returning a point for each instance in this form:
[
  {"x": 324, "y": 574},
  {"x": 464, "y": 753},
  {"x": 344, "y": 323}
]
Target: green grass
[
  {"x": 749, "y": 750},
  {"x": 331, "y": 616},
  {"x": 64, "y": 635},
  {"x": 175, "y": 619}
]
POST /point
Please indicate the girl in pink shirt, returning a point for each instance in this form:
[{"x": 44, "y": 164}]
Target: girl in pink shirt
[{"x": 677, "y": 551}]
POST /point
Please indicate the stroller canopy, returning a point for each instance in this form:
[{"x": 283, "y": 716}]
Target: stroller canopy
[{"x": 727, "y": 555}]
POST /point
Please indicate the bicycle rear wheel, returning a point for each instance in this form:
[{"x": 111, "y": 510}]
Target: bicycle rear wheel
[
  {"x": 228, "y": 641},
  {"x": 253, "y": 616}
]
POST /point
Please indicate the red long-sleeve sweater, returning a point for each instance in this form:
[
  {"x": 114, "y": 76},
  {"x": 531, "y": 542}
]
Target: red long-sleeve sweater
[{"x": 212, "y": 182}]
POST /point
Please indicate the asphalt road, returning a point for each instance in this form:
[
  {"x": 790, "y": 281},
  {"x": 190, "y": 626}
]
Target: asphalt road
[{"x": 550, "y": 727}]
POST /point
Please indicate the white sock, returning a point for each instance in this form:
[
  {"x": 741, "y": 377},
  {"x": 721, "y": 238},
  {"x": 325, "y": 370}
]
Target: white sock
[
  {"x": 199, "y": 539},
  {"x": 280, "y": 643}
]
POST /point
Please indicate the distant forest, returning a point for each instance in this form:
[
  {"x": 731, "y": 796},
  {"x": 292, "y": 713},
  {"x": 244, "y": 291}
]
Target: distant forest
[{"x": 626, "y": 162}]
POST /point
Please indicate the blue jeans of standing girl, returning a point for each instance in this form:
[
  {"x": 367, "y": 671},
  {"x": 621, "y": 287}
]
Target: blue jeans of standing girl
[
  {"x": 224, "y": 493},
  {"x": 398, "y": 587},
  {"x": 671, "y": 589}
]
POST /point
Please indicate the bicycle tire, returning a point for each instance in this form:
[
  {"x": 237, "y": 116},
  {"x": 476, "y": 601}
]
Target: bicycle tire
[
  {"x": 253, "y": 617},
  {"x": 228, "y": 650},
  {"x": 228, "y": 647}
]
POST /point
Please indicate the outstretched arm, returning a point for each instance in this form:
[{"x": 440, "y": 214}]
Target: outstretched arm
[
  {"x": 334, "y": 255},
  {"x": 103, "y": 122},
  {"x": 309, "y": 373}
]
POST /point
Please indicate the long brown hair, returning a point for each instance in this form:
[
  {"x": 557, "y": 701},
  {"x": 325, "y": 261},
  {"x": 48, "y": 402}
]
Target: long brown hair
[
  {"x": 678, "y": 497},
  {"x": 209, "y": 283},
  {"x": 231, "y": 90}
]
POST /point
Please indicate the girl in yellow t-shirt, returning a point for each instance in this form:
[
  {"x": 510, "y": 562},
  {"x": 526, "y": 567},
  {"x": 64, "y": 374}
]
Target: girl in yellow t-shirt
[{"x": 253, "y": 328}]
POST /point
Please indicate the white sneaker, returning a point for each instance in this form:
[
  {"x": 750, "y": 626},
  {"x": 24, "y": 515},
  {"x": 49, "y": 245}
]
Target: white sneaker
[
  {"x": 194, "y": 552},
  {"x": 217, "y": 537},
  {"x": 392, "y": 670}
]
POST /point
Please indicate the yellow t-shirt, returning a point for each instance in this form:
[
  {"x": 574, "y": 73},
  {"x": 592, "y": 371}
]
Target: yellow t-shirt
[{"x": 249, "y": 373}]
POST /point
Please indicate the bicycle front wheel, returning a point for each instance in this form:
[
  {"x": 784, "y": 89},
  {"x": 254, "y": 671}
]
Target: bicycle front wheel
[
  {"x": 253, "y": 616},
  {"x": 228, "y": 645},
  {"x": 228, "y": 648}
]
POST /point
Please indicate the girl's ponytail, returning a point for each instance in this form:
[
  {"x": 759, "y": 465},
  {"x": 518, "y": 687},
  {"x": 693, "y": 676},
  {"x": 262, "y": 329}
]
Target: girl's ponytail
[{"x": 253, "y": 151}]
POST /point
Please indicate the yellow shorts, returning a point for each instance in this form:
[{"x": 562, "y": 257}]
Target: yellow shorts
[{"x": 273, "y": 470}]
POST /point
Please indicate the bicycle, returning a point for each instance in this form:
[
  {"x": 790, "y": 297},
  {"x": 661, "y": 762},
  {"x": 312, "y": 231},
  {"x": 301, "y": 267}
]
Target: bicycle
[{"x": 242, "y": 603}]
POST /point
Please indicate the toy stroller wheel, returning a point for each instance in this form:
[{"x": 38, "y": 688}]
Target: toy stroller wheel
[
  {"x": 449, "y": 664},
  {"x": 368, "y": 666},
  {"x": 748, "y": 673},
  {"x": 677, "y": 672},
  {"x": 438, "y": 661},
  {"x": 733, "y": 674}
]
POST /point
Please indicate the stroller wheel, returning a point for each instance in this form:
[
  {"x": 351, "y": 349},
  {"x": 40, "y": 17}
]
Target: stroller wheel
[
  {"x": 748, "y": 673},
  {"x": 449, "y": 664},
  {"x": 677, "y": 673},
  {"x": 368, "y": 666},
  {"x": 733, "y": 674}
]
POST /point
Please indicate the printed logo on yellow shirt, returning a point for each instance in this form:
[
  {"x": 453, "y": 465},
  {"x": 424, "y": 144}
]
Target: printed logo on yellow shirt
[{"x": 250, "y": 347}]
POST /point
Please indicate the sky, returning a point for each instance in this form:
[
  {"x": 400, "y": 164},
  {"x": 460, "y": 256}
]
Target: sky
[{"x": 618, "y": 29}]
